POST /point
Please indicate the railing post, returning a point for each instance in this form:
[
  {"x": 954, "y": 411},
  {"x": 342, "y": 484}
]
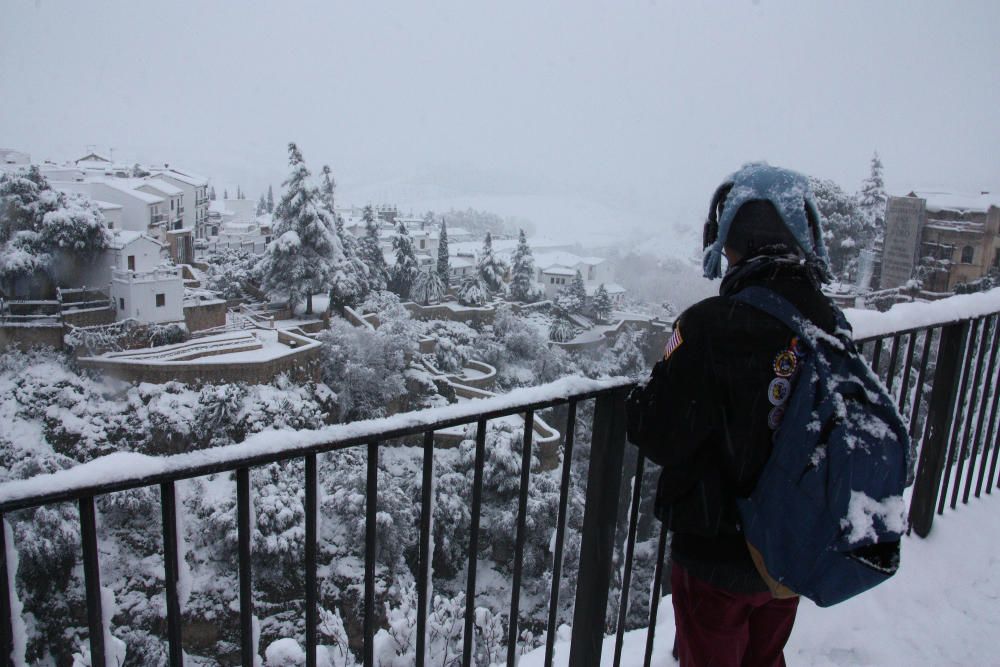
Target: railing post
[
  {"x": 944, "y": 396},
  {"x": 171, "y": 568},
  {"x": 6, "y": 609},
  {"x": 243, "y": 528},
  {"x": 92, "y": 579},
  {"x": 597, "y": 541}
]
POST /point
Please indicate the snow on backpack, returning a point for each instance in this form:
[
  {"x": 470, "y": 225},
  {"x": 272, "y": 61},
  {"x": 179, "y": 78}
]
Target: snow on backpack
[{"x": 826, "y": 516}]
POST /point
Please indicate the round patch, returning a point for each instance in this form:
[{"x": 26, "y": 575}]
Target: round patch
[
  {"x": 774, "y": 417},
  {"x": 778, "y": 391},
  {"x": 785, "y": 363}
]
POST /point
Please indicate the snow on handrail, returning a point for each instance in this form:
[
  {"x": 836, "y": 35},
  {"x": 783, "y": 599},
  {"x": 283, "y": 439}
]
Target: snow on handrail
[
  {"x": 907, "y": 316},
  {"x": 124, "y": 470}
]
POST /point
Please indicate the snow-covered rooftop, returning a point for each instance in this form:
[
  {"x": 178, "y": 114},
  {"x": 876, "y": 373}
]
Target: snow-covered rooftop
[
  {"x": 106, "y": 205},
  {"x": 157, "y": 184},
  {"x": 183, "y": 176},
  {"x": 122, "y": 238},
  {"x": 559, "y": 271},
  {"x": 563, "y": 258},
  {"x": 938, "y": 200}
]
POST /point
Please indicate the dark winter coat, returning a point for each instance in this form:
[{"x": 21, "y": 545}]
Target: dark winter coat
[{"x": 712, "y": 412}]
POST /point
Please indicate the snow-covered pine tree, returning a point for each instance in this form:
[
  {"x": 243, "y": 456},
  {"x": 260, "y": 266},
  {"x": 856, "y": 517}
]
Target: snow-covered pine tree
[
  {"x": 573, "y": 297},
  {"x": 473, "y": 292},
  {"x": 523, "y": 271},
  {"x": 239, "y": 193},
  {"x": 371, "y": 252},
  {"x": 844, "y": 230},
  {"x": 351, "y": 282},
  {"x": 600, "y": 305},
  {"x": 490, "y": 269},
  {"x": 270, "y": 199},
  {"x": 261, "y": 206},
  {"x": 405, "y": 270},
  {"x": 443, "y": 267},
  {"x": 225, "y": 193},
  {"x": 872, "y": 198},
  {"x": 427, "y": 287},
  {"x": 306, "y": 253},
  {"x": 211, "y": 193}
]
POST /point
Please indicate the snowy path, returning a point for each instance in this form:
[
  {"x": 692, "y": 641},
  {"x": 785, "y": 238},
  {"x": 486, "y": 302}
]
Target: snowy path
[{"x": 941, "y": 609}]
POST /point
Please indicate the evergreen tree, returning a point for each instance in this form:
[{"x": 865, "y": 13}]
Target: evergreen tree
[
  {"x": 427, "y": 287},
  {"x": 443, "y": 267},
  {"x": 270, "y": 199},
  {"x": 306, "y": 254},
  {"x": 601, "y": 304},
  {"x": 239, "y": 193},
  {"x": 211, "y": 193},
  {"x": 261, "y": 206},
  {"x": 225, "y": 193},
  {"x": 327, "y": 187},
  {"x": 473, "y": 292},
  {"x": 872, "y": 198},
  {"x": 352, "y": 282},
  {"x": 405, "y": 270},
  {"x": 490, "y": 269},
  {"x": 370, "y": 252},
  {"x": 523, "y": 271},
  {"x": 845, "y": 231},
  {"x": 573, "y": 297}
]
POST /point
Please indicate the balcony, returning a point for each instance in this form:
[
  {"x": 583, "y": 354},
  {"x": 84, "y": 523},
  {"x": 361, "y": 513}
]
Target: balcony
[
  {"x": 941, "y": 374},
  {"x": 155, "y": 275},
  {"x": 157, "y": 218},
  {"x": 180, "y": 210}
]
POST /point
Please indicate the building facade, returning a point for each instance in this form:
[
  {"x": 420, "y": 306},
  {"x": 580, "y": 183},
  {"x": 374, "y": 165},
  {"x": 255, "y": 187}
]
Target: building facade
[{"x": 943, "y": 240}]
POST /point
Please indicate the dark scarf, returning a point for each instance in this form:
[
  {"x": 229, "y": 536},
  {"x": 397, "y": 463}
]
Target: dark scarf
[{"x": 770, "y": 266}]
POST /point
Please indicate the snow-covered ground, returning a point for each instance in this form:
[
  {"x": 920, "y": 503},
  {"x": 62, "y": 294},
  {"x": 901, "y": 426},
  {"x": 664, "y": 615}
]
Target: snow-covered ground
[{"x": 940, "y": 609}]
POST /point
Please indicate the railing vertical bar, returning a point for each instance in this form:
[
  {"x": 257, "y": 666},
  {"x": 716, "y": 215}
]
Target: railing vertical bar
[
  {"x": 551, "y": 627},
  {"x": 969, "y": 340},
  {"x": 633, "y": 524},
  {"x": 371, "y": 544},
  {"x": 243, "y": 530},
  {"x": 171, "y": 569},
  {"x": 970, "y": 411},
  {"x": 311, "y": 510},
  {"x": 6, "y": 608},
  {"x": 904, "y": 384},
  {"x": 522, "y": 518},
  {"x": 893, "y": 360},
  {"x": 994, "y": 426},
  {"x": 944, "y": 396},
  {"x": 654, "y": 603},
  {"x": 92, "y": 579},
  {"x": 925, "y": 354},
  {"x": 599, "y": 523},
  {"x": 424, "y": 559},
  {"x": 984, "y": 386},
  {"x": 477, "y": 504},
  {"x": 877, "y": 356}
]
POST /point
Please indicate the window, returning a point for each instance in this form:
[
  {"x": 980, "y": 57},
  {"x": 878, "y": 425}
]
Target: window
[
  {"x": 161, "y": 300},
  {"x": 967, "y": 254},
  {"x": 996, "y": 258},
  {"x": 171, "y": 204},
  {"x": 121, "y": 304},
  {"x": 111, "y": 225},
  {"x": 131, "y": 262}
]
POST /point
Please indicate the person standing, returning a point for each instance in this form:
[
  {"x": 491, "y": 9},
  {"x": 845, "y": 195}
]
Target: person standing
[{"x": 713, "y": 404}]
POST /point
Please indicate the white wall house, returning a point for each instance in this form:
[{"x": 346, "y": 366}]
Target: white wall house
[
  {"x": 155, "y": 296},
  {"x": 112, "y": 213},
  {"x": 557, "y": 270},
  {"x": 195, "y": 189},
  {"x": 174, "y": 196},
  {"x": 141, "y": 211},
  {"x": 128, "y": 251}
]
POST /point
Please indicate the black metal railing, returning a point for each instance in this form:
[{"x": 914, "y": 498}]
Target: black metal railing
[{"x": 944, "y": 377}]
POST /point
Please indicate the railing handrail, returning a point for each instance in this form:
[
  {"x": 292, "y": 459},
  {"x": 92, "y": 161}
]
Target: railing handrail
[{"x": 123, "y": 470}]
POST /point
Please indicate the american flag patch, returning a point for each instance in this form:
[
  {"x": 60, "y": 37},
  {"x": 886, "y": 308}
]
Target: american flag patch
[{"x": 672, "y": 344}]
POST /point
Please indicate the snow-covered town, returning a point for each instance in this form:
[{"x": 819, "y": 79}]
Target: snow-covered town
[{"x": 353, "y": 381}]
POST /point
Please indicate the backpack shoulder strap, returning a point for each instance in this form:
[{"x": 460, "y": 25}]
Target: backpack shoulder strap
[{"x": 775, "y": 305}]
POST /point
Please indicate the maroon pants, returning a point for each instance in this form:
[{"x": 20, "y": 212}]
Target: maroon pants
[{"x": 716, "y": 628}]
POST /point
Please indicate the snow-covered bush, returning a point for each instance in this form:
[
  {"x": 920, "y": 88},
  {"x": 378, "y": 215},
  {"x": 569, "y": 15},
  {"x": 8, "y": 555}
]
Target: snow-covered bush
[{"x": 473, "y": 291}]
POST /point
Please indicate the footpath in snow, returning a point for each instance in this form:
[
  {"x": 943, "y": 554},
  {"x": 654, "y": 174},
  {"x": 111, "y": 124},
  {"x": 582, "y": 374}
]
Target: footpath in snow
[{"x": 940, "y": 609}]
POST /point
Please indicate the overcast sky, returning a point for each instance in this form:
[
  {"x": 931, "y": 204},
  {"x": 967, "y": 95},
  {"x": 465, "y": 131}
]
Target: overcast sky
[{"x": 643, "y": 105}]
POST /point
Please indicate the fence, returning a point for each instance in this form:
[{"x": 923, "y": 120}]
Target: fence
[{"x": 943, "y": 375}]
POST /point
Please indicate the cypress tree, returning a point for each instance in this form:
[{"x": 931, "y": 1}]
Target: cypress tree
[
  {"x": 522, "y": 271},
  {"x": 443, "y": 267},
  {"x": 371, "y": 252},
  {"x": 404, "y": 271}
]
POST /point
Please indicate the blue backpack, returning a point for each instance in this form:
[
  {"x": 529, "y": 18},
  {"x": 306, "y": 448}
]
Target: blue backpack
[{"x": 826, "y": 516}]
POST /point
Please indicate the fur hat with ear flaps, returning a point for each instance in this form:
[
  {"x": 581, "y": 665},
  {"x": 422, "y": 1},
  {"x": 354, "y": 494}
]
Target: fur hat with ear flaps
[{"x": 788, "y": 191}]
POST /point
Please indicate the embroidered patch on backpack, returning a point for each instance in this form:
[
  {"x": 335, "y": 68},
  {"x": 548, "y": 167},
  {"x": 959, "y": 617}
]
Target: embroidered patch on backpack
[{"x": 675, "y": 342}]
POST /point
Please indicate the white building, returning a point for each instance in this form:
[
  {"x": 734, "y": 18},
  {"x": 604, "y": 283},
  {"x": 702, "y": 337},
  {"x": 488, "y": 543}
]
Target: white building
[
  {"x": 195, "y": 188},
  {"x": 149, "y": 296},
  {"x": 141, "y": 211},
  {"x": 556, "y": 270}
]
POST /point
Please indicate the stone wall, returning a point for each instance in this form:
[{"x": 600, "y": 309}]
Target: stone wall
[
  {"x": 89, "y": 317},
  {"x": 26, "y": 336},
  {"x": 472, "y": 316},
  {"x": 205, "y": 315}
]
